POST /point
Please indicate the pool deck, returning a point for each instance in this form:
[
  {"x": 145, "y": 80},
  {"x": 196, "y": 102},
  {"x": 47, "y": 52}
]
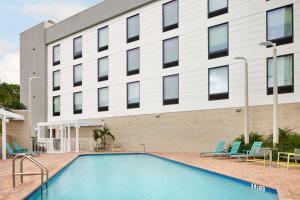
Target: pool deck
[{"x": 286, "y": 182}]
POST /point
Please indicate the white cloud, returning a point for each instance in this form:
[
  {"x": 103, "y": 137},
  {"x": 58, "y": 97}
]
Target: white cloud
[
  {"x": 10, "y": 68},
  {"x": 54, "y": 10},
  {"x": 7, "y": 47}
]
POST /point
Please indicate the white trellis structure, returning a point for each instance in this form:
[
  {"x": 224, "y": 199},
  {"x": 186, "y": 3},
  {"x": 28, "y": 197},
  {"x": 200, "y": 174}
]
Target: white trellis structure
[
  {"x": 63, "y": 142},
  {"x": 5, "y": 116}
]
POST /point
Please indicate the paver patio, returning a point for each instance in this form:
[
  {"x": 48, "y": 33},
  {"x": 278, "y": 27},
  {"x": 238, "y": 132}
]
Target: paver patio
[{"x": 286, "y": 182}]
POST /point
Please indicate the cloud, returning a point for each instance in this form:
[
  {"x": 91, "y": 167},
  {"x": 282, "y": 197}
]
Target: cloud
[
  {"x": 54, "y": 10},
  {"x": 7, "y": 47},
  {"x": 10, "y": 68}
]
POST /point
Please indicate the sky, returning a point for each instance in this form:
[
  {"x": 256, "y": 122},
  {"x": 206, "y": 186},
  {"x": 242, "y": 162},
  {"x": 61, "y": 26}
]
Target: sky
[{"x": 17, "y": 16}]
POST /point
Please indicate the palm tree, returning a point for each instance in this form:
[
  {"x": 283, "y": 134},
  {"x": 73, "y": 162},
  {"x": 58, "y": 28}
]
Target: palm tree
[{"x": 101, "y": 133}]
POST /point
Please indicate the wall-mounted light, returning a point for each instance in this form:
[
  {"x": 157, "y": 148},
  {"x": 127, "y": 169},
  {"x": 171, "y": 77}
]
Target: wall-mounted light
[{"x": 238, "y": 110}]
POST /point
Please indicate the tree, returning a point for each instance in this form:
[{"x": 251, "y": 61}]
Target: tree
[{"x": 10, "y": 98}]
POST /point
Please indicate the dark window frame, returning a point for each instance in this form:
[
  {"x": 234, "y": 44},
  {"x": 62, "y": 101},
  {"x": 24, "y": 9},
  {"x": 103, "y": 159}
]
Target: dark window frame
[
  {"x": 136, "y": 71},
  {"x": 134, "y": 38},
  {"x": 74, "y": 110},
  {"x": 170, "y": 101},
  {"x": 133, "y": 105},
  {"x": 78, "y": 83},
  {"x": 106, "y": 46},
  {"x": 286, "y": 88},
  {"x": 103, "y": 108},
  {"x": 55, "y": 62},
  {"x": 53, "y": 112},
  {"x": 57, "y": 87},
  {"x": 216, "y": 12},
  {"x": 218, "y": 96},
  {"x": 102, "y": 78},
  {"x": 77, "y": 55},
  {"x": 219, "y": 53},
  {"x": 282, "y": 40},
  {"x": 173, "y": 63},
  {"x": 172, "y": 26}
]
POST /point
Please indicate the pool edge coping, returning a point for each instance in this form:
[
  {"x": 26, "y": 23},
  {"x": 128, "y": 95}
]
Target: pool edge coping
[{"x": 237, "y": 180}]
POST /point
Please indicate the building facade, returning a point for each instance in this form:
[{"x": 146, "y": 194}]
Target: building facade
[{"x": 162, "y": 73}]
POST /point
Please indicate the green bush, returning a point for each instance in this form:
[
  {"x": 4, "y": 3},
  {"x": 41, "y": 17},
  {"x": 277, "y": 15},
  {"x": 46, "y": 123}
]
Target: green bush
[
  {"x": 253, "y": 137},
  {"x": 288, "y": 141}
]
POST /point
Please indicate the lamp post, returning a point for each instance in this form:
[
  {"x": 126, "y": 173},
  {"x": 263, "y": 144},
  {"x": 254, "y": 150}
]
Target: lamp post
[
  {"x": 246, "y": 113},
  {"x": 275, "y": 90},
  {"x": 29, "y": 101}
]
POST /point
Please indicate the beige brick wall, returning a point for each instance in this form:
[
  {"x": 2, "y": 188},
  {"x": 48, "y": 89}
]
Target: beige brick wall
[
  {"x": 194, "y": 131},
  {"x": 19, "y": 130}
]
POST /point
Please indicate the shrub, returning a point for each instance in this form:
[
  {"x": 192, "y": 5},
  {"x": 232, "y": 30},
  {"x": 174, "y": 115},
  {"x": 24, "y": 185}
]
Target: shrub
[
  {"x": 288, "y": 141},
  {"x": 253, "y": 137}
]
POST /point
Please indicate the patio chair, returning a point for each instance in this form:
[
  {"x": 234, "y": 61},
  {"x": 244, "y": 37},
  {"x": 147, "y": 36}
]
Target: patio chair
[
  {"x": 18, "y": 148},
  {"x": 218, "y": 150},
  {"x": 233, "y": 151},
  {"x": 288, "y": 157},
  {"x": 10, "y": 151},
  {"x": 255, "y": 147}
]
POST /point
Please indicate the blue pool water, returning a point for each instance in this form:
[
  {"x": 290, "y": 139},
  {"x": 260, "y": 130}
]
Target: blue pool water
[{"x": 142, "y": 177}]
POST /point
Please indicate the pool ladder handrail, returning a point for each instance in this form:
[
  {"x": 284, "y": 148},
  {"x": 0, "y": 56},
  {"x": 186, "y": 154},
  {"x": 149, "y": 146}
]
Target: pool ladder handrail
[{"x": 44, "y": 170}]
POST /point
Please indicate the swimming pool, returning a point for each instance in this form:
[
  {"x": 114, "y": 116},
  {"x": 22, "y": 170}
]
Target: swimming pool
[{"x": 144, "y": 177}]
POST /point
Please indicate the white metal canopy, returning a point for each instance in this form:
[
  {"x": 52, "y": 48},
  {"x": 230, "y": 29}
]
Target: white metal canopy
[{"x": 5, "y": 116}]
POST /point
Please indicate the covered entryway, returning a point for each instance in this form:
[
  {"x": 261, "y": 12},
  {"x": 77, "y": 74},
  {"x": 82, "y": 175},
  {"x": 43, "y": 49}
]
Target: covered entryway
[
  {"x": 60, "y": 139},
  {"x": 5, "y": 116}
]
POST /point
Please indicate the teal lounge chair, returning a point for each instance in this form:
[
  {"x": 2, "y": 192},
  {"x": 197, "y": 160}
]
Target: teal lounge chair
[
  {"x": 10, "y": 151},
  {"x": 234, "y": 150},
  {"x": 218, "y": 150},
  {"x": 18, "y": 148},
  {"x": 255, "y": 147}
]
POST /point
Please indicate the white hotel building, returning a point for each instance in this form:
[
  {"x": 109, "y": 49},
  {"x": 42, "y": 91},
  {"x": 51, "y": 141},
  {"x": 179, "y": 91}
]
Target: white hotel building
[{"x": 162, "y": 73}]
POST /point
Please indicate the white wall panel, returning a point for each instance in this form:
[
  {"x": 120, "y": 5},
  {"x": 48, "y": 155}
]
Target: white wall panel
[{"x": 247, "y": 28}]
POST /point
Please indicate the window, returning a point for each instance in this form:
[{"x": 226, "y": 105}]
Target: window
[
  {"x": 77, "y": 47},
  {"x": 103, "y": 99},
  {"x": 56, "y": 106},
  {"x": 133, "y": 61},
  {"x": 217, "y": 7},
  {"x": 103, "y": 69},
  {"x": 133, "y": 28},
  {"x": 77, "y": 102},
  {"x": 218, "y": 41},
  {"x": 56, "y": 55},
  {"x": 280, "y": 25},
  {"x": 170, "y": 15},
  {"x": 170, "y": 52},
  {"x": 218, "y": 83},
  {"x": 56, "y": 80},
  {"x": 77, "y": 75},
  {"x": 285, "y": 74},
  {"x": 103, "y": 38},
  {"x": 171, "y": 89},
  {"x": 133, "y": 95}
]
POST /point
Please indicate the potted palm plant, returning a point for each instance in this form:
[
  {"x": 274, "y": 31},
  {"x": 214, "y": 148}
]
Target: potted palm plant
[{"x": 100, "y": 135}]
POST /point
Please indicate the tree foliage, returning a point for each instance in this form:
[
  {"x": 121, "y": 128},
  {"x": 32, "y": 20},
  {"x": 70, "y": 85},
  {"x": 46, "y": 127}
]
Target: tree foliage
[{"x": 10, "y": 97}]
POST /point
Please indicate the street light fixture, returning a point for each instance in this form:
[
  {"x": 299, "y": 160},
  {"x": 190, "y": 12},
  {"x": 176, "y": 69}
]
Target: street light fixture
[
  {"x": 275, "y": 90},
  {"x": 246, "y": 113}
]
